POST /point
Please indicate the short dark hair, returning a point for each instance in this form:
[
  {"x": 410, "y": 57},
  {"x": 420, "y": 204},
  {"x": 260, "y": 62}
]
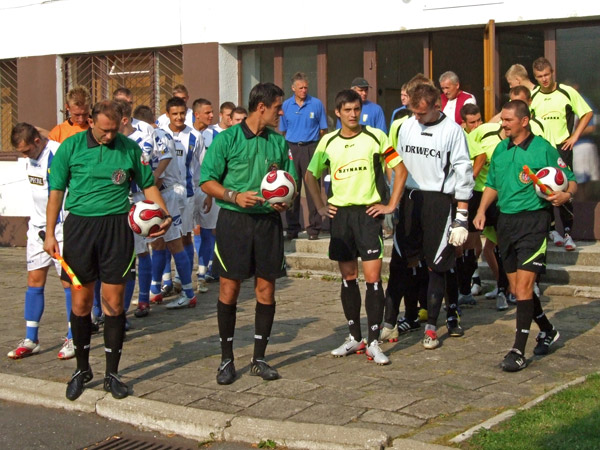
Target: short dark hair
[
  {"x": 126, "y": 92},
  {"x": 239, "y": 110},
  {"x": 346, "y": 96},
  {"x": 125, "y": 108},
  {"x": 227, "y": 105},
  {"x": 541, "y": 63},
  {"x": 200, "y": 102},
  {"x": 109, "y": 108},
  {"x": 266, "y": 93},
  {"x": 24, "y": 132},
  {"x": 145, "y": 113},
  {"x": 517, "y": 90},
  {"x": 417, "y": 80},
  {"x": 469, "y": 110},
  {"x": 175, "y": 102},
  {"x": 519, "y": 107},
  {"x": 427, "y": 92}
]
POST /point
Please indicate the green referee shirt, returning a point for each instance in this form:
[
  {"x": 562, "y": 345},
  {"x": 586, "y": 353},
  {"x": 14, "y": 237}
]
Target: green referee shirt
[
  {"x": 557, "y": 110},
  {"x": 356, "y": 164},
  {"x": 98, "y": 176},
  {"x": 516, "y": 192},
  {"x": 238, "y": 160}
]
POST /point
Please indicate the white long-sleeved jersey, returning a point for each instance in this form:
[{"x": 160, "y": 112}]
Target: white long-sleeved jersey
[{"x": 436, "y": 157}]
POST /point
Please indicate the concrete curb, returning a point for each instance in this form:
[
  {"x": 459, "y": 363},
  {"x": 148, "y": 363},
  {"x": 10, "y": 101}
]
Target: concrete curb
[
  {"x": 192, "y": 423},
  {"x": 305, "y": 435},
  {"x": 496, "y": 420}
]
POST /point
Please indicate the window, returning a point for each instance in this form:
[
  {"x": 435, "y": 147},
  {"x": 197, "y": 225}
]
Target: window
[
  {"x": 150, "y": 75},
  {"x": 8, "y": 101},
  {"x": 257, "y": 67}
]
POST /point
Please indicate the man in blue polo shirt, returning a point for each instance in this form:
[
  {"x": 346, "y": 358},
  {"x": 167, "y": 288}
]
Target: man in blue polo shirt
[
  {"x": 371, "y": 113},
  {"x": 303, "y": 123}
]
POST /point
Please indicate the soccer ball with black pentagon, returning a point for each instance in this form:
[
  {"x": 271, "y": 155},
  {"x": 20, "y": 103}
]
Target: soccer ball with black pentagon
[
  {"x": 278, "y": 186},
  {"x": 145, "y": 217},
  {"x": 552, "y": 177}
]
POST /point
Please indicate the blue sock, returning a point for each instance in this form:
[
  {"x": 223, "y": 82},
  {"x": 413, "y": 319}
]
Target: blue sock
[
  {"x": 189, "y": 250},
  {"x": 166, "y": 275},
  {"x": 198, "y": 242},
  {"x": 34, "y": 308},
  {"x": 182, "y": 263},
  {"x": 159, "y": 258},
  {"x": 68, "y": 308},
  {"x": 97, "y": 299},
  {"x": 207, "y": 248},
  {"x": 144, "y": 278},
  {"x": 129, "y": 288}
]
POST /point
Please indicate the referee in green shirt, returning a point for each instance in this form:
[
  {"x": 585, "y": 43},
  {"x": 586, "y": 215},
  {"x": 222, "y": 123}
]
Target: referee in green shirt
[
  {"x": 249, "y": 239},
  {"x": 523, "y": 222},
  {"x": 97, "y": 167}
]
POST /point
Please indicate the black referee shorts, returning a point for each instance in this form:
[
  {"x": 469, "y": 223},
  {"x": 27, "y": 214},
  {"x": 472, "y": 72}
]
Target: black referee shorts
[
  {"x": 249, "y": 244},
  {"x": 99, "y": 248},
  {"x": 522, "y": 240}
]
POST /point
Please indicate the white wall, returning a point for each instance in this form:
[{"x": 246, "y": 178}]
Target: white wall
[
  {"x": 15, "y": 192},
  {"x": 33, "y": 27}
]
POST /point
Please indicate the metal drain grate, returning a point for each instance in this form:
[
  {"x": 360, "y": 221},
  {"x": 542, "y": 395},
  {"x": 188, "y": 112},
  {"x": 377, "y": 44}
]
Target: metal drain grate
[{"x": 129, "y": 443}]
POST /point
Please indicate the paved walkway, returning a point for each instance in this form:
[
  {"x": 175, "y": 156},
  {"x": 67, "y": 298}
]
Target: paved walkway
[{"x": 427, "y": 396}]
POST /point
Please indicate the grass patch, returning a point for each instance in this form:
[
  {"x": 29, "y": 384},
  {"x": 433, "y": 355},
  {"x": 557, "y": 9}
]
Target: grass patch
[{"x": 567, "y": 420}]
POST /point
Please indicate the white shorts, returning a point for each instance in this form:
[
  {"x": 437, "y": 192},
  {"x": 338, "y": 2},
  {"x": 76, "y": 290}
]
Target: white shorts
[
  {"x": 37, "y": 258},
  {"x": 187, "y": 216},
  {"x": 586, "y": 164},
  {"x": 173, "y": 203},
  {"x": 207, "y": 220}
]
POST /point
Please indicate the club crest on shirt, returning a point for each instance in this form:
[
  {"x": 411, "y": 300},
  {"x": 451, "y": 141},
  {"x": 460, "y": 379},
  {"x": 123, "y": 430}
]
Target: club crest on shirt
[
  {"x": 524, "y": 178},
  {"x": 119, "y": 176},
  {"x": 561, "y": 163}
]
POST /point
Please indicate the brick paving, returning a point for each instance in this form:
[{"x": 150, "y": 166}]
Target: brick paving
[{"x": 425, "y": 395}]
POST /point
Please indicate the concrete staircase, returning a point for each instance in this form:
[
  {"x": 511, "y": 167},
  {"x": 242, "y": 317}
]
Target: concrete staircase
[{"x": 574, "y": 273}]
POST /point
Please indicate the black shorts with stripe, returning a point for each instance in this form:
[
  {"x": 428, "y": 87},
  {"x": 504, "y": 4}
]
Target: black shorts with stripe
[
  {"x": 99, "y": 248},
  {"x": 422, "y": 231},
  {"x": 354, "y": 233},
  {"x": 249, "y": 244},
  {"x": 522, "y": 240},
  {"x": 491, "y": 214}
]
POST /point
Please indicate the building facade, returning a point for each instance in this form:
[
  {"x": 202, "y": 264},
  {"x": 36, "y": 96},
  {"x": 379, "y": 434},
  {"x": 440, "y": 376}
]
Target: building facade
[{"x": 220, "y": 51}]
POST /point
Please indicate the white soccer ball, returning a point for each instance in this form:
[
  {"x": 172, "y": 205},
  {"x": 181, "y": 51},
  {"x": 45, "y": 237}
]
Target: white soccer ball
[
  {"x": 278, "y": 186},
  {"x": 145, "y": 217},
  {"x": 552, "y": 177}
]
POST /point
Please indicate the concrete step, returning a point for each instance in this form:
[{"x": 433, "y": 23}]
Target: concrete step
[{"x": 586, "y": 254}]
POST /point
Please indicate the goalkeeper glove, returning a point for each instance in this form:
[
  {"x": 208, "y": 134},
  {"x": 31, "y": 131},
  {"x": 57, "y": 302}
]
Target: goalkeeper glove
[{"x": 458, "y": 230}]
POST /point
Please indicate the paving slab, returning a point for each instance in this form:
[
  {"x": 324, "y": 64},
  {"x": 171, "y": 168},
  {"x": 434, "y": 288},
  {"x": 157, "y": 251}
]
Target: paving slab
[{"x": 423, "y": 397}]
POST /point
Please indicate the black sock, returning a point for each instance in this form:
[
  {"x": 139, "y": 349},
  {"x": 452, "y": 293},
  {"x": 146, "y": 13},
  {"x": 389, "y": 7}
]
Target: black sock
[
  {"x": 226, "y": 315},
  {"x": 351, "y": 304},
  {"x": 81, "y": 327},
  {"x": 263, "y": 322},
  {"x": 374, "y": 301},
  {"x": 395, "y": 291},
  {"x": 451, "y": 294},
  {"x": 114, "y": 333},
  {"x": 471, "y": 263},
  {"x": 435, "y": 294},
  {"x": 411, "y": 295},
  {"x": 464, "y": 280},
  {"x": 502, "y": 278},
  {"x": 539, "y": 316},
  {"x": 423, "y": 283},
  {"x": 524, "y": 319}
]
